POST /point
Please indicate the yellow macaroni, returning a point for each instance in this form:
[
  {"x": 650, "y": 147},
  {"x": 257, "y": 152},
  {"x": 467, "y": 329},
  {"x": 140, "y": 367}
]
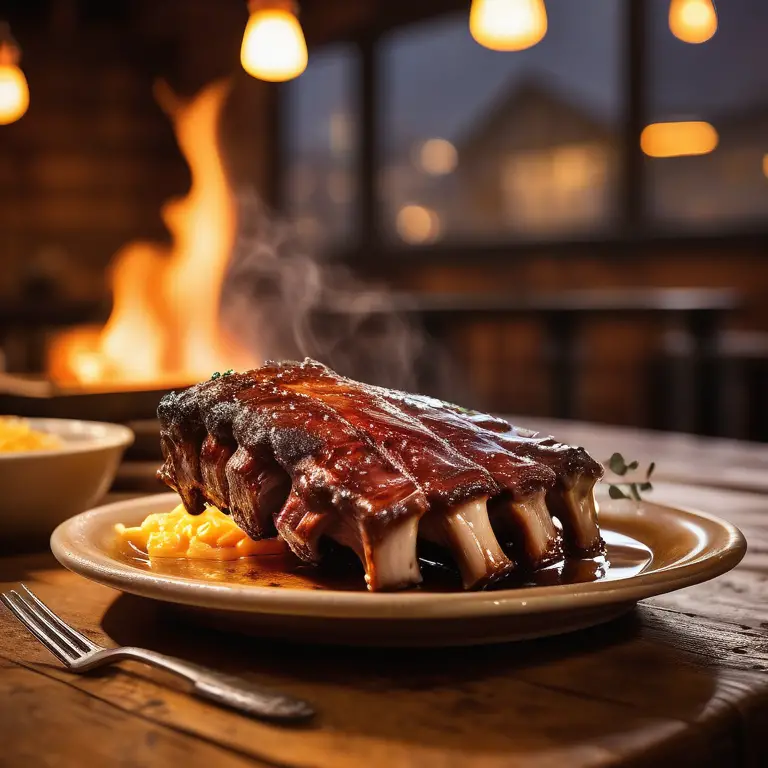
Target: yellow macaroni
[
  {"x": 209, "y": 536},
  {"x": 17, "y": 435}
]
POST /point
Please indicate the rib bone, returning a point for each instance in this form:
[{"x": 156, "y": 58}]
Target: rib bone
[
  {"x": 528, "y": 526},
  {"x": 573, "y": 502},
  {"x": 466, "y": 531}
]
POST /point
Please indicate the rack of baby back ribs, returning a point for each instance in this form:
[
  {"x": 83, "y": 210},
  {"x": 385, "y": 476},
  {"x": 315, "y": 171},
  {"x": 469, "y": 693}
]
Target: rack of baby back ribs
[{"x": 295, "y": 450}]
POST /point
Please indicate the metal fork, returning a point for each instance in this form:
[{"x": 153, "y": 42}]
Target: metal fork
[{"x": 80, "y": 654}]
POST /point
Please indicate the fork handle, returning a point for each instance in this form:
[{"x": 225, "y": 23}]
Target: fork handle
[{"x": 226, "y": 690}]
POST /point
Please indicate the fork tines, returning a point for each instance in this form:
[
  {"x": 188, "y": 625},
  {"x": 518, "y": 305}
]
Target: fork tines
[{"x": 64, "y": 642}]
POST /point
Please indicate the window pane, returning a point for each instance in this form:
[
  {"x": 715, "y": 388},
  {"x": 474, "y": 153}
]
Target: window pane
[
  {"x": 321, "y": 156},
  {"x": 481, "y": 144},
  {"x": 721, "y": 82}
]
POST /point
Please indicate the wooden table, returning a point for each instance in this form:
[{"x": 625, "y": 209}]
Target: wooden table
[{"x": 681, "y": 681}]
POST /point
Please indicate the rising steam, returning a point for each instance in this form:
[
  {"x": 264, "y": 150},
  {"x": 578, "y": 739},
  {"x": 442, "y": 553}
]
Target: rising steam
[{"x": 285, "y": 302}]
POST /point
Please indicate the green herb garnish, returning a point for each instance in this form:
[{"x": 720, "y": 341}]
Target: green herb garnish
[
  {"x": 215, "y": 375},
  {"x": 619, "y": 466}
]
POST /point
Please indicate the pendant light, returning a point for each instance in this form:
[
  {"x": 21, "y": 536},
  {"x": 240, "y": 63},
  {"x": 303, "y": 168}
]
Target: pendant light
[
  {"x": 508, "y": 25},
  {"x": 14, "y": 92},
  {"x": 693, "y": 21},
  {"x": 273, "y": 47}
]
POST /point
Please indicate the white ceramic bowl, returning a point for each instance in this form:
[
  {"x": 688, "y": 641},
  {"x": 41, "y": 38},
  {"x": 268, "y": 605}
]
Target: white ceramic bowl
[{"x": 40, "y": 489}]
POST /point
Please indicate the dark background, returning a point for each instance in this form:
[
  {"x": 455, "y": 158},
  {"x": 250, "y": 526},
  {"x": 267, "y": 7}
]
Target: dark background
[{"x": 550, "y": 194}]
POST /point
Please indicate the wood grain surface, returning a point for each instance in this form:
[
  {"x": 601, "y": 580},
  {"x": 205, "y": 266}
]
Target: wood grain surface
[{"x": 683, "y": 680}]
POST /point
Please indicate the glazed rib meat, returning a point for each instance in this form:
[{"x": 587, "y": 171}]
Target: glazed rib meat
[
  {"x": 571, "y": 499},
  {"x": 295, "y": 450}
]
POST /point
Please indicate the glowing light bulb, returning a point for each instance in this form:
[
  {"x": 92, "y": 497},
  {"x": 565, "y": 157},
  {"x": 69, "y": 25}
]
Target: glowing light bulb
[
  {"x": 438, "y": 157},
  {"x": 693, "y": 21},
  {"x": 508, "y": 25},
  {"x": 416, "y": 224},
  {"x": 273, "y": 47},
  {"x": 678, "y": 139},
  {"x": 14, "y": 92}
]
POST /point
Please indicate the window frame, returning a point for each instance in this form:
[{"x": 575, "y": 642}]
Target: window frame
[{"x": 634, "y": 228}]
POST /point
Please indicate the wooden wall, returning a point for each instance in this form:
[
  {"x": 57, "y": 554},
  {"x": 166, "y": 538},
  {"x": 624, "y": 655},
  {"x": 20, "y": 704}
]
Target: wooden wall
[
  {"x": 88, "y": 168},
  {"x": 618, "y": 379}
]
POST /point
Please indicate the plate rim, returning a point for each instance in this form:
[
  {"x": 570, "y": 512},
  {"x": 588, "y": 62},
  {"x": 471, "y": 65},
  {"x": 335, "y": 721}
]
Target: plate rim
[{"x": 98, "y": 566}]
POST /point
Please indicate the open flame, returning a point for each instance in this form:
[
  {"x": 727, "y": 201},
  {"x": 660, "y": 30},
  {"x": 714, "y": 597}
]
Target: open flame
[{"x": 164, "y": 327}]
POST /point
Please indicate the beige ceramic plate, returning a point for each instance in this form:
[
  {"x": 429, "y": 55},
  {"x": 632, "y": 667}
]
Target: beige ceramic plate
[{"x": 652, "y": 549}]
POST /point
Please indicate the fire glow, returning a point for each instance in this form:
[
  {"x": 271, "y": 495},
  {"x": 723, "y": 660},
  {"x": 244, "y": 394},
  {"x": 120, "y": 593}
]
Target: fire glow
[{"x": 165, "y": 327}]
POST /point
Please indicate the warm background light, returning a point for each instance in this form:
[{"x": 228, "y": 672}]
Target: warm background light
[
  {"x": 678, "y": 139},
  {"x": 508, "y": 25},
  {"x": 438, "y": 157},
  {"x": 273, "y": 47},
  {"x": 14, "y": 92},
  {"x": 417, "y": 224},
  {"x": 152, "y": 336},
  {"x": 765, "y": 166},
  {"x": 692, "y": 21}
]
